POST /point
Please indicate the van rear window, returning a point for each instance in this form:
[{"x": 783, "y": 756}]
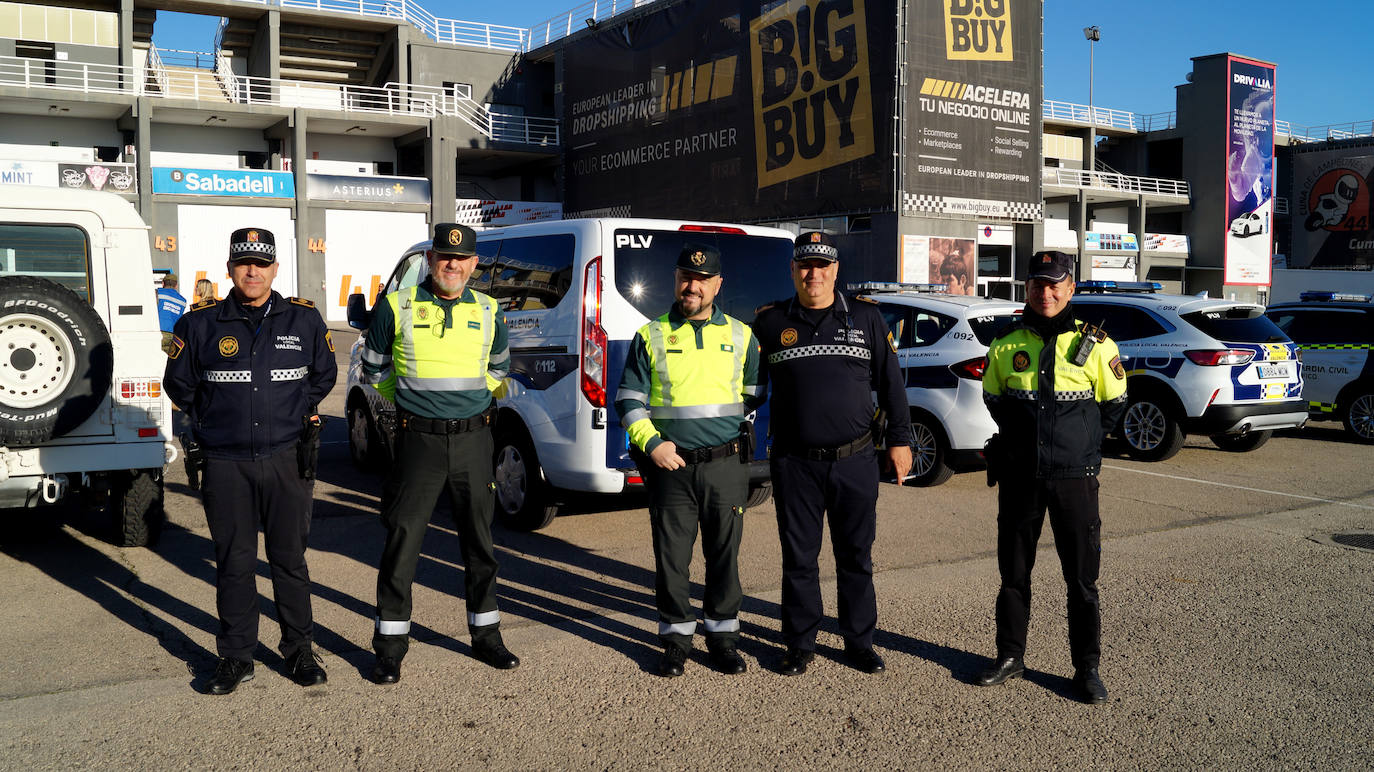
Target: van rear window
[
  {"x": 59, "y": 253},
  {"x": 756, "y": 269}
]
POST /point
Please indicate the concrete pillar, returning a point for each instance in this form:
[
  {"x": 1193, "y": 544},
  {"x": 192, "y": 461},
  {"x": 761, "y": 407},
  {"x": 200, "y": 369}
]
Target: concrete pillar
[
  {"x": 441, "y": 158},
  {"x": 1137, "y": 215},
  {"x": 309, "y": 265},
  {"x": 1078, "y": 220}
]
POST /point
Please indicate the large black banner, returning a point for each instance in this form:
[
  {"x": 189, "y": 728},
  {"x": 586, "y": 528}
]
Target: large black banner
[
  {"x": 720, "y": 109},
  {"x": 1333, "y": 209},
  {"x": 973, "y": 109}
]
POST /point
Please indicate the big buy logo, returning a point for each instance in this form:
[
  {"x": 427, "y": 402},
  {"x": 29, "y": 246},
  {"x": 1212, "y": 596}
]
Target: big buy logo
[{"x": 978, "y": 29}]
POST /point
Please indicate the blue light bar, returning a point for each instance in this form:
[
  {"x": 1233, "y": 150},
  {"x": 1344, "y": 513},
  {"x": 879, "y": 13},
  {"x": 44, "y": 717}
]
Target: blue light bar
[
  {"x": 1119, "y": 286},
  {"x": 1331, "y": 296}
]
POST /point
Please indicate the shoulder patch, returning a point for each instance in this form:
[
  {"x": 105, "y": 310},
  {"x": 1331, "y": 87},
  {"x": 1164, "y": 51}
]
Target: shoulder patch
[
  {"x": 175, "y": 348},
  {"x": 865, "y": 299},
  {"x": 329, "y": 340},
  {"x": 302, "y": 302},
  {"x": 1117, "y": 369},
  {"x": 206, "y": 303}
]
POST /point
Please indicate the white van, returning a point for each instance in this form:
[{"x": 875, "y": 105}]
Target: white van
[
  {"x": 81, "y": 402},
  {"x": 574, "y": 293}
]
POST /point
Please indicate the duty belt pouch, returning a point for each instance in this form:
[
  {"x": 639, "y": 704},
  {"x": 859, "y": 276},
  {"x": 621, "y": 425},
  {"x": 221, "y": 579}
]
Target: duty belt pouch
[
  {"x": 308, "y": 449},
  {"x": 746, "y": 442},
  {"x": 994, "y": 453}
]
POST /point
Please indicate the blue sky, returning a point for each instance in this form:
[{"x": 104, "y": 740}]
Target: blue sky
[{"x": 1144, "y": 52}]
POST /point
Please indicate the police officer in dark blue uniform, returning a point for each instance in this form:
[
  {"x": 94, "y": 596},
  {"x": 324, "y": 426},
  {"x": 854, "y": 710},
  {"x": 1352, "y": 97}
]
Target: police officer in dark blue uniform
[
  {"x": 824, "y": 355},
  {"x": 250, "y": 372}
]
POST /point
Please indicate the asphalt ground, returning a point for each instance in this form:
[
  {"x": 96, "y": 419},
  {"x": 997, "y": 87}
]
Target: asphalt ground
[{"x": 1236, "y": 634}]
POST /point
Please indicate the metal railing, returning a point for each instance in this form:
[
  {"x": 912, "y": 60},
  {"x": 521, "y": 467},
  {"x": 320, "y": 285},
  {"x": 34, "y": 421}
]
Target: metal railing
[
  {"x": 1081, "y": 178},
  {"x": 495, "y": 36},
  {"x": 173, "y": 57},
  {"x": 1099, "y": 116},
  {"x": 153, "y": 66},
  {"x": 1158, "y": 121},
  {"x": 1322, "y": 133},
  {"x": 565, "y": 24}
]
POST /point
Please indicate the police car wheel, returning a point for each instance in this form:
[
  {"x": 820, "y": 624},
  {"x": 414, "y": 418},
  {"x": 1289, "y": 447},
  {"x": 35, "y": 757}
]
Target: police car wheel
[
  {"x": 522, "y": 495},
  {"x": 56, "y": 362},
  {"x": 929, "y": 454},
  {"x": 364, "y": 445},
  {"x": 1241, "y": 443},
  {"x": 1359, "y": 416},
  {"x": 1150, "y": 430},
  {"x": 136, "y": 500}
]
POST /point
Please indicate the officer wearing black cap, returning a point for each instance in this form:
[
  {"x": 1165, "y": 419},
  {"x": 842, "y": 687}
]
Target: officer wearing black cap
[
  {"x": 1054, "y": 387},
  {"x": 250, "y": 372},
  {"x": 438, "y": 350},
  {"x": 690, "y": 379},
  {"x": 824, "y": 356}
]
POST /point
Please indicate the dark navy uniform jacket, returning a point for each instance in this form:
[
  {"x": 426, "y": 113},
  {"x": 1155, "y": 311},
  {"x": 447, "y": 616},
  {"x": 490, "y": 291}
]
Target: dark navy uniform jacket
[
  {"x": 823, "y": 375},
  {"x": 246, "y": 387}
]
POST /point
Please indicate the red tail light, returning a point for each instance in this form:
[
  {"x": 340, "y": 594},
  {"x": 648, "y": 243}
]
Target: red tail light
[
  {"x": 712, "y": 229},
  {"x": 593, "y": 337},
  {"x": 971, "y": 369},
  {"x": 633, "y": 479},
  {"x": 1221, "y": 356}
]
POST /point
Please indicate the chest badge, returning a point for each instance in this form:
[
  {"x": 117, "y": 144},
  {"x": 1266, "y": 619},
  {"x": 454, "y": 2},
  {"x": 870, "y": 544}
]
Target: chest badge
[
  {"x": 672, "y": 340},
  {"x": 228, "y": 346},
  {"x": 789, "y": 336},
  {"x": 1020, "y": 361},
  {"x": 422, "y": 313}
]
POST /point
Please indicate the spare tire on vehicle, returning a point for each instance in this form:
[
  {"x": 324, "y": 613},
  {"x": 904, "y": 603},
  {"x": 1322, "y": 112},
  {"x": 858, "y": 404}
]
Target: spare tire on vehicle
[{"x": 56, "y": 362}]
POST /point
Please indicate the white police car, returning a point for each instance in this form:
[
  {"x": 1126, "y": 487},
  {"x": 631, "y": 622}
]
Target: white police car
[
  {"x": 1195, "y": 365},
  {"x": 1336, "y": 332},
  {"x": 942, "y": 345}
]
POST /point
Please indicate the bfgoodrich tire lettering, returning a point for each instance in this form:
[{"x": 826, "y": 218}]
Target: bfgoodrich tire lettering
[{"x": 55, "y": 360}]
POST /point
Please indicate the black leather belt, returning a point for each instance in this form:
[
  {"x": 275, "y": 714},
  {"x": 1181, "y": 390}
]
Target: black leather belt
[
  {"x": 829, "y": 454},
  {"x": 414, "y": 423},
  {"x": 702, "y": 455}
]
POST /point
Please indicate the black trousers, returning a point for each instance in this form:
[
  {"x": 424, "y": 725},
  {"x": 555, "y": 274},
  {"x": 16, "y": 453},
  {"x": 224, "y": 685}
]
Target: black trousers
[
  {"x": 1072, "y": 506},
  {"x": 804, "y": 492},
  {"x": 425, "y": 466},
  {"x": 710, "y": 496},
  {"x": 239, "y": 496}
]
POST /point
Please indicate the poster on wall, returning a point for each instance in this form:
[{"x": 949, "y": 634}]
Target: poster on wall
[
  {"x": 935, "y": 260},
  {"x": 1249, "y": 172},
  {"x": 730, "y": 110},
  {"x": 972, "y": 132},
  {"x": 363, "y": 248},
  {"x": 203, "y": 245},
  {"x": 1332, "y": 209}
]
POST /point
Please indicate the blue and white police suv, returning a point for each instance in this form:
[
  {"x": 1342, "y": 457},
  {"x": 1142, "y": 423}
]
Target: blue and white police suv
[
  {"x": 1196, "y": 365},
  {"x": 942, "y": 345},
  {"x": 1336, "y": 333}
]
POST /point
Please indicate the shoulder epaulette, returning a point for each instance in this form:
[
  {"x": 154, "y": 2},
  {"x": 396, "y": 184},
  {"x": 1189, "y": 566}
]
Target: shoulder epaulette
[
  {"x": 302, "y": 302},
  {"x": 206, "y": 303}
]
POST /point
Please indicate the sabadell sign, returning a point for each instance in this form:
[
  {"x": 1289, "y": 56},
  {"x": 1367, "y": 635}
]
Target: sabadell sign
[{"x": 223, "y": 182}]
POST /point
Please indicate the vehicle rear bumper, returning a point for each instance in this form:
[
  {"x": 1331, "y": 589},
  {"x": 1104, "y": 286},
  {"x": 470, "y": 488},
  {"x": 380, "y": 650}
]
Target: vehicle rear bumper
[{"x": 1233, "y": 419}]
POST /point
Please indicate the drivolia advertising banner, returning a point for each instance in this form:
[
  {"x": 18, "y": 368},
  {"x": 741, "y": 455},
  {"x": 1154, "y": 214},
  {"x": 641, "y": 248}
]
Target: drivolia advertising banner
[
  {"x": 1249, "y": 171},
  {"x": 1332, "y": 208},
  {"x": 732, "y": 110},
  {"x": 973, "y": 118}
]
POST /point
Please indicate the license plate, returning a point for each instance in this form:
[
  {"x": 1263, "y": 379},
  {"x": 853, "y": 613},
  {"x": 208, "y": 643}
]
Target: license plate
[{"x": 1274, "y": 370}]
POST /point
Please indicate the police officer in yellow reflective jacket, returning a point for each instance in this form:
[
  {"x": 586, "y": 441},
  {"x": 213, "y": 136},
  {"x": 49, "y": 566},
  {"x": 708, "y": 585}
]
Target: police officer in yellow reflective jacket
[
  {"x": 439, "y": 351},
  {"x": 1054, "y": 387},
  {"x": 690, "y": 379}
]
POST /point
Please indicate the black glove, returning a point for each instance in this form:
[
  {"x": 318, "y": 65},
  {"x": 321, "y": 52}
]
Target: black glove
[{"x": 308, "y": 449}]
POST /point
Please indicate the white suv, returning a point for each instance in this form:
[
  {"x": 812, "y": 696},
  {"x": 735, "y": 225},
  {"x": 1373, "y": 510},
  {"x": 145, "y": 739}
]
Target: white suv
[
  {"x": 81, "y": 402},
  {"x": 942, "y": 345},
  {"x": 1195, "y": 365}
]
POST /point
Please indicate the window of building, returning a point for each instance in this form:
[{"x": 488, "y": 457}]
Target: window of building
[{"x": 59, "y": 253}]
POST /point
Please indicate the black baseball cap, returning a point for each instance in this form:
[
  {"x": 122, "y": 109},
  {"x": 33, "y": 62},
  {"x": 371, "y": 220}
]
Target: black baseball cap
[
  {"x": 815, "y": 245},
  {"x": 252, "y": 244},
  {"x": 1052, "y": 266},
  {"x": 703, "y": 259},
  {"x": 450, "y": 238}
]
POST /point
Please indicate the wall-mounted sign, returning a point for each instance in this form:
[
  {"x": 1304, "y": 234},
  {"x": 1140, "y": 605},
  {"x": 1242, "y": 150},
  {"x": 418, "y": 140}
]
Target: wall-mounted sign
[
  {"x": 1166, "y": 242},
  {"x": 1110, "y": 242},
  {"x": 391, "y": 190},
  {"x": 223, "y": 182},
  {"x": 117, "y": 178},
  {"x": 486, "y": 213}
]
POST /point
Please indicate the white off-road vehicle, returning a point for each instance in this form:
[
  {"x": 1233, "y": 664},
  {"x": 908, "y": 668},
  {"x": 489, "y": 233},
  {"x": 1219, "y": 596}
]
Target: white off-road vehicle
[{"x": 81, "y": 405}]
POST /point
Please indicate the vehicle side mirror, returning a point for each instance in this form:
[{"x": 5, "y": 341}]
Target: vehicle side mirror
[{"x": 358, "y": 316}]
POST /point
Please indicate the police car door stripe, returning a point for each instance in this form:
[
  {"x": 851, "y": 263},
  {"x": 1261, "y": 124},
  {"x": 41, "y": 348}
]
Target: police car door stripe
[
  {"x": 228, "y": 376},
  {"x": 289, "y": 375},
  {"x": 659, "y": 351},
  {"x": 857, "y": 352},
  {"x": 441, "y": 384}
]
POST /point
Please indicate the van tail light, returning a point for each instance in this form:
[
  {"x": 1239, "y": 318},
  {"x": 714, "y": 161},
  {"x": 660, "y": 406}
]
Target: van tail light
[
  {"x": 971, "y": 369},
  {"x": 1220, "y": 356},
  {"x": 143, "y": 388},
  {"x": 593, "y": 336},
  {"x": 712, "y": 229}
]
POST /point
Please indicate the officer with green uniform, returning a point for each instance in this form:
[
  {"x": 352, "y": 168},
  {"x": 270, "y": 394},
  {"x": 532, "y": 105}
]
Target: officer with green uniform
[
  {"x": 438, "y": 350},
  {"x": 1054, "y": 387},
  {"x": 690, "y": 379}
]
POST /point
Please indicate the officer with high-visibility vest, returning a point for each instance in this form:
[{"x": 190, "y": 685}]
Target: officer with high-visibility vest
[
  {"x": 439, "y": 351},
  {"x": 690, "y": 379},
  {"x": 1054, "y": 387}
]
